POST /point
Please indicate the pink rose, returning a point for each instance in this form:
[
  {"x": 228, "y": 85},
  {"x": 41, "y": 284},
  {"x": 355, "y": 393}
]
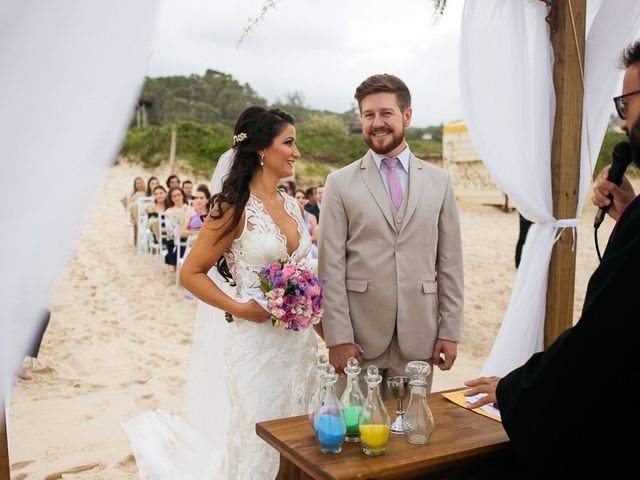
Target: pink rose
[{"x": 287, "y": 271}]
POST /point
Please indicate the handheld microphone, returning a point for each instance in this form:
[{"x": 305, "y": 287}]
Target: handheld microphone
[{"x": 621, "y": 158}]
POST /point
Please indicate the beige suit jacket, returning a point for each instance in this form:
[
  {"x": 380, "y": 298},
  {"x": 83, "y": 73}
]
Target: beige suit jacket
[{"x": 384, "y": 273}]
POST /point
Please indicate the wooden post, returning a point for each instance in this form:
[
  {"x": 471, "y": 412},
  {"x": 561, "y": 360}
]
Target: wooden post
[
  {"x": 5, "y": 471},
  {"x": 172, "y": 152},
  {"x": 565, "y": 160}
]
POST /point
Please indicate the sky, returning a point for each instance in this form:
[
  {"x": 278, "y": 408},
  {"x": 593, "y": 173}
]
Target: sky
[{"x": 322, "y": 48}]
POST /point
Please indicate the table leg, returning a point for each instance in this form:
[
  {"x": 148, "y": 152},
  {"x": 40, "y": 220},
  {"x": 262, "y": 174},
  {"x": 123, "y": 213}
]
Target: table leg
[{"x": 290, "y": 471}]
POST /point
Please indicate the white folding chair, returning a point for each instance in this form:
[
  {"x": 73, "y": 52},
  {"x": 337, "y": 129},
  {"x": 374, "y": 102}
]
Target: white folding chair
[
  {"x": 179, "y": 257},
  {"x": 142, "y": 221},
  {"x": 156, "y": 240}
]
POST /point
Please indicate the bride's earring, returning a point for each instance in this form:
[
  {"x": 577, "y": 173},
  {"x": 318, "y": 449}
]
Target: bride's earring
[{"x": 262, "y": 160}]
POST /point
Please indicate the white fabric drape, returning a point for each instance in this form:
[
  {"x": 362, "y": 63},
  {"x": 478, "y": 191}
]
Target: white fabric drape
[
  {"x": 71, "y": 71},
  {"x": 508, "y": 99}
]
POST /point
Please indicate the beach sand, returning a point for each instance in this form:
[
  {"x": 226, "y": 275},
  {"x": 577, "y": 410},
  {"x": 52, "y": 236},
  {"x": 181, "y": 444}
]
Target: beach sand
[{"x": 119, "y": 338}]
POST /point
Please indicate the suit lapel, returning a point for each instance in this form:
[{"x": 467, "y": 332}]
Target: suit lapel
[
  {"x": 371, "y": 178},
  {"x": 416, "y": 181}
]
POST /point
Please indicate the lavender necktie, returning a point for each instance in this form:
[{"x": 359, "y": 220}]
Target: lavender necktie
[{"x": 395, "y": 190}]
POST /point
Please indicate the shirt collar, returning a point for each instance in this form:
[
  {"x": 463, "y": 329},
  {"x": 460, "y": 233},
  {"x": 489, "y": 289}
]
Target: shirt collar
[{"x": 403, "y": 156}]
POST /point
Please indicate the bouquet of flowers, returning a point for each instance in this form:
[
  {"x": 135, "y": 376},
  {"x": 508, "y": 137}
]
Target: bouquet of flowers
[{"x": 294, "y": 294}]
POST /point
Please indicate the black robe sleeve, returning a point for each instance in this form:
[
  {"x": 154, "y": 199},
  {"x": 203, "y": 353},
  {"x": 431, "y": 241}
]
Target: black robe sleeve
[{"x": 570, "y": 410}]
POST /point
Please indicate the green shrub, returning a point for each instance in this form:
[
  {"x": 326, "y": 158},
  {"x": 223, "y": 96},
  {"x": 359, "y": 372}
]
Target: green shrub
[{"x": 198, "y": 144}]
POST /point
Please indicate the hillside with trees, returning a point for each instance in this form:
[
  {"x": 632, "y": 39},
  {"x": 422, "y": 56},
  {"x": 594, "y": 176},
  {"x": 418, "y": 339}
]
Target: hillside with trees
[{"x": 203, "y": 109}]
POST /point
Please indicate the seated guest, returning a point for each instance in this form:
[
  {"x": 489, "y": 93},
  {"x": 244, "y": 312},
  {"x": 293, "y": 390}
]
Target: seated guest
[
  {"x": 187, "y": 188},
  {"x": 175, "y": 216},
  {"x": 309, "y": 221},
  {"x": 152, "y": 183},
  {"x": 161, "y": 202},
  {"x": 199, "y": 208},
  {"x": 283, "y": 188},
  {"x": 159, "y": 206},
  {"x": 173, "y": 182},
  {"x": 312, "y": 203},
  {"x": 291, "y": 187},
  {"x": 319, "y": 193},
  {"x": 191, "y": 229},
  {"x": 139, "y": 190}
]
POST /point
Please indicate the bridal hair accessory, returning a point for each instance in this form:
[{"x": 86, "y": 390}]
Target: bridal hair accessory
[{"x": 239, "y": 138}]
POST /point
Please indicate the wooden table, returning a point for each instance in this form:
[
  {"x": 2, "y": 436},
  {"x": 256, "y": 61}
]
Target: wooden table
[{"x": 464, "y": 445}]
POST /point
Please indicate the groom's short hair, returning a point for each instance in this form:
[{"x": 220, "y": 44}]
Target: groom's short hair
[{"x": 384, "y": 82}]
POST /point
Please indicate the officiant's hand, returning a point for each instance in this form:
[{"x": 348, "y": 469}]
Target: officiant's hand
[
  {"x": 252, "y": 311},
  {"x": 444, "y": 354},
  {"x": 339, "y": 354},
  {"x": 622, "y": 195},
  {"x": 486, "y": 385}
]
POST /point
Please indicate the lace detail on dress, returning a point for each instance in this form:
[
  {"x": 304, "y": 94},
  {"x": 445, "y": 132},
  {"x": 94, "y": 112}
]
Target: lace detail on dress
[{"x": 268, "y": 369}]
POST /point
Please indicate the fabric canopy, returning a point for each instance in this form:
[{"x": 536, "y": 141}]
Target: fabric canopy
[
  {"x": 71, "y": 72},
  {"x": 508, "y": 99}
]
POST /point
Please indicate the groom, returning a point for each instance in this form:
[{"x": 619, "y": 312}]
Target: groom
[{"x": 390, "y": 247}]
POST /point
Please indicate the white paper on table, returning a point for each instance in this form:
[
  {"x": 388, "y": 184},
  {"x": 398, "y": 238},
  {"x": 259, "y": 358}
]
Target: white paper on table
[{"x": 487, "y": 408}]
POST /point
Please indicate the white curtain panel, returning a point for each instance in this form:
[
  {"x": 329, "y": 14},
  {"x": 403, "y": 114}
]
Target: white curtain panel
[
  {"x": 71, "y": 72},
  {"x": 506, "y": 78}
]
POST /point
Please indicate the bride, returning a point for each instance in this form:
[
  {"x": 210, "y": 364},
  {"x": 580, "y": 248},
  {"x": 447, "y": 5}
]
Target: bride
[{"x": 245, "y": 371}]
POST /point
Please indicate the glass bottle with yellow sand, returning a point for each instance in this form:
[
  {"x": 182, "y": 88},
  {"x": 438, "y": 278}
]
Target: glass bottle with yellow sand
[{"x": 374, "y": 419}]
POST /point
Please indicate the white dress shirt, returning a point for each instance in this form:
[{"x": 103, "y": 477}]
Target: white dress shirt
[{"x": 402, "y": 168}]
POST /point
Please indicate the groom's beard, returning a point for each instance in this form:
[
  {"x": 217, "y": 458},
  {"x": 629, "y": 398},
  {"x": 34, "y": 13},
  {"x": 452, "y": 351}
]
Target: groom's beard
[
  {"x": 397, "y": 138},
  {"x": 634, "y": 140}
]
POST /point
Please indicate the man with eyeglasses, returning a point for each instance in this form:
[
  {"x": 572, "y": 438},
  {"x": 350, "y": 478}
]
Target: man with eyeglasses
[{"x": 571, "y": 411}]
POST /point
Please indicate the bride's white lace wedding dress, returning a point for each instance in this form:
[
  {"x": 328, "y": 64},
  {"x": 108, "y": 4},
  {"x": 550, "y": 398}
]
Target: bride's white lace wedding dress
[{"x": 241, "y": 373}]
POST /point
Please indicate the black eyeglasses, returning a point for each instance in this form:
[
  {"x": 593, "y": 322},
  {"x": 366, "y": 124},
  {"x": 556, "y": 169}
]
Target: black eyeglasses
[{"x": 621, "y": 105}]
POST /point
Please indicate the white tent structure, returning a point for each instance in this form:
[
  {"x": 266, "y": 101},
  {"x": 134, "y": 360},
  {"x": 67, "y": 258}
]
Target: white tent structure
[
  {"x": 71, "y": 72},
  {"x": 509, "y": 104}
]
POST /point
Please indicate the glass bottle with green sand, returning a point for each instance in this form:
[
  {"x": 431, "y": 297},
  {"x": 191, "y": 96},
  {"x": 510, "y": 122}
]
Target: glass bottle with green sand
[
  {"x": 352, "y": 400},
  {"x": 328, "y": 420},
  {"x": 374, "y": 419}
]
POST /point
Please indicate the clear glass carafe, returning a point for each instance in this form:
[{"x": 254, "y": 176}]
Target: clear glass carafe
[
  {"x": 418, "y": 420},
  {"x": 352, "y": 400},
  {"x": 318, "y": 390},
  {"x": 374, "y": 419},
  {"x": 328, "y": 421}
]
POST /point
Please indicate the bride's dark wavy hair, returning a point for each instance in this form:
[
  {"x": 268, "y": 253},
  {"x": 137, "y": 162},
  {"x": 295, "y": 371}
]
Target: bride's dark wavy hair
[{"x": 259, "y": 126}]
